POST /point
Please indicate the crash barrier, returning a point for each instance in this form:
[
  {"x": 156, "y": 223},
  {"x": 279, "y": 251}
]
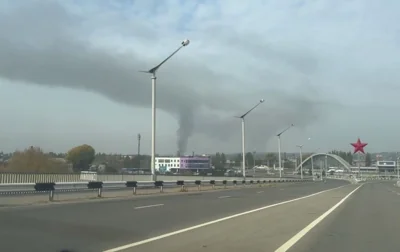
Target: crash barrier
[
  {"x": 364, "y": 177},
  {"x": 99, "y": 186},
  {"x": 361, "y": 178},
  {"x": 13, "y": 177}
]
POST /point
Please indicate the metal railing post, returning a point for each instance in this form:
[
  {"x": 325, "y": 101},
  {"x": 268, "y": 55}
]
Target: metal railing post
[{"x": 51, "y": 195}]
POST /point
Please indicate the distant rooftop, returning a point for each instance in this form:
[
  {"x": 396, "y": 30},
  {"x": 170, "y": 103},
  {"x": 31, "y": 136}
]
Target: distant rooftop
[{"x": 185, "y": 156}]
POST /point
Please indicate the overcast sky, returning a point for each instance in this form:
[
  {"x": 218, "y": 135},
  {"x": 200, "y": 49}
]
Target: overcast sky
[{"x": 69, "y": 74}]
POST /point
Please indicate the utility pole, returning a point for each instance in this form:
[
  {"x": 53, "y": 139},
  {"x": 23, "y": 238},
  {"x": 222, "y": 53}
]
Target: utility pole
[
  {"x": 139, "y": 137},
  {"x": 138, "y": 144},
  {"x": 254, "y": 163}
]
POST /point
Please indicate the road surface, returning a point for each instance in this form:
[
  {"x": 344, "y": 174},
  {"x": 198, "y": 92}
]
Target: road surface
[
  {"x": 367, "y": 222},
  {"x": 364, "y": 218},
  {"x": 99, "y": 225}
]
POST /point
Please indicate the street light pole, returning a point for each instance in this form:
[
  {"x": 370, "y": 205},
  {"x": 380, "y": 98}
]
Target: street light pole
[
  {"x": 243, "y": 150},
  {"x": 301, "y": 157},
  {"x": 279, "y": 149},
  {"x": 254, "y": 163},
  {"x": 326, "y": 165},
  {"x": 243, "y": 137},
  {"x": 301, "y": 160},
  {"x": 153, "y": 125},
  {"x": 312, "y": 164},
  {"x": 153, "y": 71}
]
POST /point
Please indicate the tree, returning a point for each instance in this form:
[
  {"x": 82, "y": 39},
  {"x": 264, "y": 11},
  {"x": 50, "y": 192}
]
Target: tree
[
  {"x": 249, "y": 159},
  {"x": 348, "y": 156},
  {"x": 368, "y": 159},
  {"x": 81, "y": 157},
  {"x": 238, "y": 160},
  {"x": 129, "y": 162},
  {"x": 218, "y": 161},
  {"x": 289, "y": 164},
  {"x": 271, "y": 159},
  {"x": 33, "y": 159},
  {"x": 305, "y": 156},
  {"x": 223, "y": 159}
]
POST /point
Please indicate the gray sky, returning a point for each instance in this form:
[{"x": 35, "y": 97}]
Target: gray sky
[{"x": 69, "y": 74}]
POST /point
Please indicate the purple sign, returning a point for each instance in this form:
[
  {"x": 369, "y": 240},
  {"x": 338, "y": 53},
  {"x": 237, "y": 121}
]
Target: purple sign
[{"x": 195, "y": 163}]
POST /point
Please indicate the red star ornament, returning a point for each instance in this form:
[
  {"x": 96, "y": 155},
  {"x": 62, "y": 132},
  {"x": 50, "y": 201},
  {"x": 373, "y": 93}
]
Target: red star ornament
[{"x": 359, "y": 146}]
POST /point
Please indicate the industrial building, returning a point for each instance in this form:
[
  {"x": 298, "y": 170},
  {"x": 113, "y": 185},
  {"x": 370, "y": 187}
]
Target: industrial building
[
  {"x": 175, "y": 164},
  {"x": 386, "y": 166}
]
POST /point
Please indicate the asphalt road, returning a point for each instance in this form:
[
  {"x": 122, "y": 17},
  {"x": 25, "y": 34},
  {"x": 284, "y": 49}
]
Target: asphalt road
[
  {"x": 364, "y": 219},
  {"x": 258, "y": 231},
  {"x": 369, "y": 222},
  {"x": 101, "y": 225}
]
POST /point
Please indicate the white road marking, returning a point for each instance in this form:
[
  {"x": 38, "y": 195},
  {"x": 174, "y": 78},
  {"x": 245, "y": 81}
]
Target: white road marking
[
  {"x": 223, "y": 197},
  {"x": 135, "y": 244},
  {"x": 260, "y": 192},
  {"x": 157, "y": 205},
  {"x": 287, "y": 245}
]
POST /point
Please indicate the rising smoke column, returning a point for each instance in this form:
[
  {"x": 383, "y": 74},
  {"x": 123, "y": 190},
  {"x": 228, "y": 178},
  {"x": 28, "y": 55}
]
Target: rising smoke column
[
  {"x": 185, "y": 130},
  {"x": 58, "y": 55}
]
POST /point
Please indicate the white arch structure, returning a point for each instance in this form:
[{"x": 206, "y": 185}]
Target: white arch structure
[{"x": 336, "y": 157}]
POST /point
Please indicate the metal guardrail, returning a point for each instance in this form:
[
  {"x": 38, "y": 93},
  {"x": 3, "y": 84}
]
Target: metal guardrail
[
  {"x": 100, "y": 186},
  {"x": 363, "y": 178},
  {"x": 76, "y": 177}
]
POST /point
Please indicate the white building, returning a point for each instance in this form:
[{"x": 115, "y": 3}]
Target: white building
[
  {"x": 173, "y": 164},
  {"x": 167, "y": 163},
  {"x": 386, "y": 166}
]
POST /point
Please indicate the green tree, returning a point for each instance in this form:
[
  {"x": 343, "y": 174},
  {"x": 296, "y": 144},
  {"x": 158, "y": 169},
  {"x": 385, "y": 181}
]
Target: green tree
[
  {"x": 81, "y": 157},
  {"x": 289, "y": 164},
  {"x": 368, "y": 159},
  {"x": 305, "y": 156},
  {"x": 128, "y": 162},
  {"x": 223, "y": 159},
  {"x": 347, "y": 156},
  {"x": 271, "y": 159},
  {"x": 215, "y": 160},
  {"x": 238, "y": 159},
  {"x": 218, "y": 161},
  {"x": 249, "y": 159},
  {"x": 33, "y": 159}
]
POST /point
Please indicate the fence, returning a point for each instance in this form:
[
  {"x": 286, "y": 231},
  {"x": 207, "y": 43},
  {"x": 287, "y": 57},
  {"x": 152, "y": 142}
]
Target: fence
[
  {"x": 76, "y": 177},
  {"x": 99, "y": 186}
]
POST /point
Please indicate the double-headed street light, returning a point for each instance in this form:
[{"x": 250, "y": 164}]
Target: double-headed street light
[
  {"x": 243, "y": 137},
  {"x": 301, "y": 158},
  {"x": 153, "y": 71},
  {"x": 279, "y": 148}
]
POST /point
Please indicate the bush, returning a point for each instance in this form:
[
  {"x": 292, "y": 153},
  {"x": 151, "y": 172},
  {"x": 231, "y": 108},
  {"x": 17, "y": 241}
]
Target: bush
[{"x": 33, "y": 159}]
